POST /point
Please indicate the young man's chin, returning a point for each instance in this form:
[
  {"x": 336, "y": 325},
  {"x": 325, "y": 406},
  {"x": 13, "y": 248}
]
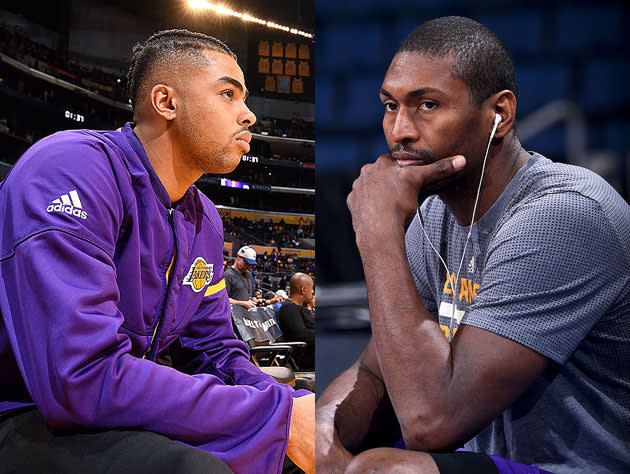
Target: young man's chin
[{"x": 225, "y": 166}]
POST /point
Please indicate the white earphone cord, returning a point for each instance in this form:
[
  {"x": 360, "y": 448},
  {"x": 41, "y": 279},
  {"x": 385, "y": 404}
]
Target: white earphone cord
[{"x": 461, "y": 262}]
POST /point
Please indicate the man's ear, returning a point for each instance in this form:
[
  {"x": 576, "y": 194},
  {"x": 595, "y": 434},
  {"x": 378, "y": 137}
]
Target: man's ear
[
  {"x": 504, "y": 104},
  {"x": 163, "y": 101}
]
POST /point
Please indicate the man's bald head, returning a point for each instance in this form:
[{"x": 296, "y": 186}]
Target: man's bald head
[
  {"x": 300, "y": 288},
  {"x": 167, "y": 51}
]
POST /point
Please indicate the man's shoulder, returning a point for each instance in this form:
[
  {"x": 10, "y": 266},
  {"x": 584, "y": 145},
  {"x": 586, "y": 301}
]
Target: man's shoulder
[
  {"x": 69, "y": 147},
  {"x": 546, "y": 177},
  {"x": 85, "y": 155},
  {"x": 569, "y": 194},
  {"x": 67, "y": 181},
  {"x": 288, "y": 305}
]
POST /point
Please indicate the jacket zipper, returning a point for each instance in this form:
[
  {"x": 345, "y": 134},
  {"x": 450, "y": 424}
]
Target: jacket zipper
[{"x": 169, "y": 278}]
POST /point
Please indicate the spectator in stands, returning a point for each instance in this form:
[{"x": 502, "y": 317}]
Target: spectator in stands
[
  {"x": 296, "y": 321},
  {"x": 282, "y": 284},
  {"x": 269, "y": 299},
  {"x": 282, "y": 297},
  {"x": 238, "y": 279},
  {"x": 110, "y": 255},
  {"x": 539, "y": 368}
]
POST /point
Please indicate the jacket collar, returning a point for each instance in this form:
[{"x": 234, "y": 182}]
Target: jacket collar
[{"x": 157, "y": 185}]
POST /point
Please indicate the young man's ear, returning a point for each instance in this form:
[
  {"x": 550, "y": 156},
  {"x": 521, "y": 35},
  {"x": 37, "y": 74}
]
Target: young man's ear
[{"x": 163, "y": 101}]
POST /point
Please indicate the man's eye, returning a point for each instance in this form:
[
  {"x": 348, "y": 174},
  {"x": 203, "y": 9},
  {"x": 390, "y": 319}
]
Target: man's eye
[
  {"x": 428, "y": 105},
  {"x": 228, "y": 94},
  {"x": 389, "y": 106}
]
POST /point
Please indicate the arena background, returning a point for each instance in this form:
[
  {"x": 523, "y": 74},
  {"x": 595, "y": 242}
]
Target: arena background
[{"x": 571, "y": 60}]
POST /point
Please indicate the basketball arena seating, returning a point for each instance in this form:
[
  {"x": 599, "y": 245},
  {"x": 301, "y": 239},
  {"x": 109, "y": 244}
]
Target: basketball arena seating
[{"x": 259, "y": 329}]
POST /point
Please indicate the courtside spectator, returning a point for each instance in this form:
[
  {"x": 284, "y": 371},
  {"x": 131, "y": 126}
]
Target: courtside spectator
[
  {"x": 238, "y": 279},
  {"x": 296, "y": 321}
]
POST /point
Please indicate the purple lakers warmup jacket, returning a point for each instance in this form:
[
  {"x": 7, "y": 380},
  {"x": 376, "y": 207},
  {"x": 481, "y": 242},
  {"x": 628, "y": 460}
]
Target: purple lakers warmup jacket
[{"x": 88, "y": 235}]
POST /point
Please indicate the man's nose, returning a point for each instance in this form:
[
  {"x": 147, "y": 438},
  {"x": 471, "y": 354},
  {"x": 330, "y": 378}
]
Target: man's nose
[
  {"x": 404, "y": 129},
  {"x": 247, "y": 119}
]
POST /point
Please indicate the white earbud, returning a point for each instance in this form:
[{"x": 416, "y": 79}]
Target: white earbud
[{"x": 497, "y": 120}]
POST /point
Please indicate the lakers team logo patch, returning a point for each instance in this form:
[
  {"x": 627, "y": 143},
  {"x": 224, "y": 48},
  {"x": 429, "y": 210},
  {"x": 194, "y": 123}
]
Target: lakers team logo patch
[{"x": 200, "y": 275}]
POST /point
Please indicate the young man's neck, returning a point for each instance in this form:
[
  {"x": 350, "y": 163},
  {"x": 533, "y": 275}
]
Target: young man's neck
[{"x": 166, "y": 159}]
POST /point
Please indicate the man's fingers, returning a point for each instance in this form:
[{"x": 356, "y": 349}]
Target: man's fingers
[
  {"x": 301, "y": 446},
  {"x": 436, "y": 171}
]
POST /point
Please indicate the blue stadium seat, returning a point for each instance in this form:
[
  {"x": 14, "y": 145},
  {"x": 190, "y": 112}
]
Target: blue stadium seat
[
  {"x": 347, "y": 46},
  {"x": 579, "y": 29},
  {"x": 521, "y": 32},
  {"x": 606, "y": 84},
  {"x": 617, "y": 138},
  {"x": 325, "y": 101},
  {"x": 539, "y": 85},
  {"x": 364, "y": 107},
  {"x": 550, "y": 142},
  {"x": 336, "y": 154}
]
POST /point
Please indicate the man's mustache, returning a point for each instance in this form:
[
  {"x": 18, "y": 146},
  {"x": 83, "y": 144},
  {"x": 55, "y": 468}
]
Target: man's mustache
[
  {"x": 239, "y": 131},
  {"x": 424, "y": 155}
]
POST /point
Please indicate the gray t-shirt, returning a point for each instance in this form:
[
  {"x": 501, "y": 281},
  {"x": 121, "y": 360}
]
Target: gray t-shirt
[
  {"x": 547, "y": 266},
  {"x": 239, "y": 286}
]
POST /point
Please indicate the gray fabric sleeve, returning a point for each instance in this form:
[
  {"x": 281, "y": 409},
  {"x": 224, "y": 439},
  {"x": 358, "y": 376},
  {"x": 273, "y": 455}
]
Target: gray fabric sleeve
[{"x": 552, "y": 270}]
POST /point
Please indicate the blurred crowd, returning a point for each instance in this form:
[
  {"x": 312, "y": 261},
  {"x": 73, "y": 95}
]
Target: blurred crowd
[
  {"x": 293, "y": 128},
  {"x": 51, "y": 61},
  {"x": 276, "y": 234}
]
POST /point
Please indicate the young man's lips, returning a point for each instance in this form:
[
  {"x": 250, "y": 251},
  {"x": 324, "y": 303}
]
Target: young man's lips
[
  {"x": 244, "y": 143},
  {"x": 245, "y": 136},
  {"x": 244, "y": 139}
]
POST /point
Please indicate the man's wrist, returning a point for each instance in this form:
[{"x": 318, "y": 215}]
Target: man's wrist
[{"x": 380, "y": 236}]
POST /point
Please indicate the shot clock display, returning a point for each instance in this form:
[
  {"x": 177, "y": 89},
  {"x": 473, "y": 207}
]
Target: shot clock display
[{"x": 74, "y": 116}]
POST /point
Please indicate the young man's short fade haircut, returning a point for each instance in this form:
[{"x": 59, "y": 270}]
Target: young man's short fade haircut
[
  {"x": 169, "y": 45},
  {"x": 480, "y": 58}
]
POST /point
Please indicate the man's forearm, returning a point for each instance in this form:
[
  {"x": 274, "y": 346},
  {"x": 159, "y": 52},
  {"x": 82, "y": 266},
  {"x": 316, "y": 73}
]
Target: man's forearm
[
  {"x": 412, "y": 352},
  {"x": 239, "y": 302},
  {"x": 351, "y": 404}
]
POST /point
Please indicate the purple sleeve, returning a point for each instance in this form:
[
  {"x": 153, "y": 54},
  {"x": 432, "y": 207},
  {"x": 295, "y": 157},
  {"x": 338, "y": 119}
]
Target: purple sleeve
[
  {"x": 209, "y": 346},
  {"x": 59, "y": 296}
]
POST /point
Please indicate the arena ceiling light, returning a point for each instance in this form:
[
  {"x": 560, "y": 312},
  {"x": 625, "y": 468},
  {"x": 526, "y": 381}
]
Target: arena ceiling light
[{"x": 224, "y": 10}]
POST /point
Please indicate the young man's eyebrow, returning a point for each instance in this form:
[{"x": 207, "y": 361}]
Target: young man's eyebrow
[
  {"x": 414, "y": 93},
  {"x": 235, "y": 83}
]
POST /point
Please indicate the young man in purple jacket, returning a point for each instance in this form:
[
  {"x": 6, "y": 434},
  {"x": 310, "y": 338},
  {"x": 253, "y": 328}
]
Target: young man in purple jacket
[{"x": 109, "y": 255}]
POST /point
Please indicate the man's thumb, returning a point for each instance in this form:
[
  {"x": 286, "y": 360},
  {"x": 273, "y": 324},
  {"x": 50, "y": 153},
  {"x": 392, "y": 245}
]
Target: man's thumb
[{"x": 436, "y": 171}]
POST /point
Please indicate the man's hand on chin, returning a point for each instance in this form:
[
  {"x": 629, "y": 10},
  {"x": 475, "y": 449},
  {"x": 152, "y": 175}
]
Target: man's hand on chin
[
  {"x": 387, "y": 193},
  {"x": 301, "y": 447}
]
